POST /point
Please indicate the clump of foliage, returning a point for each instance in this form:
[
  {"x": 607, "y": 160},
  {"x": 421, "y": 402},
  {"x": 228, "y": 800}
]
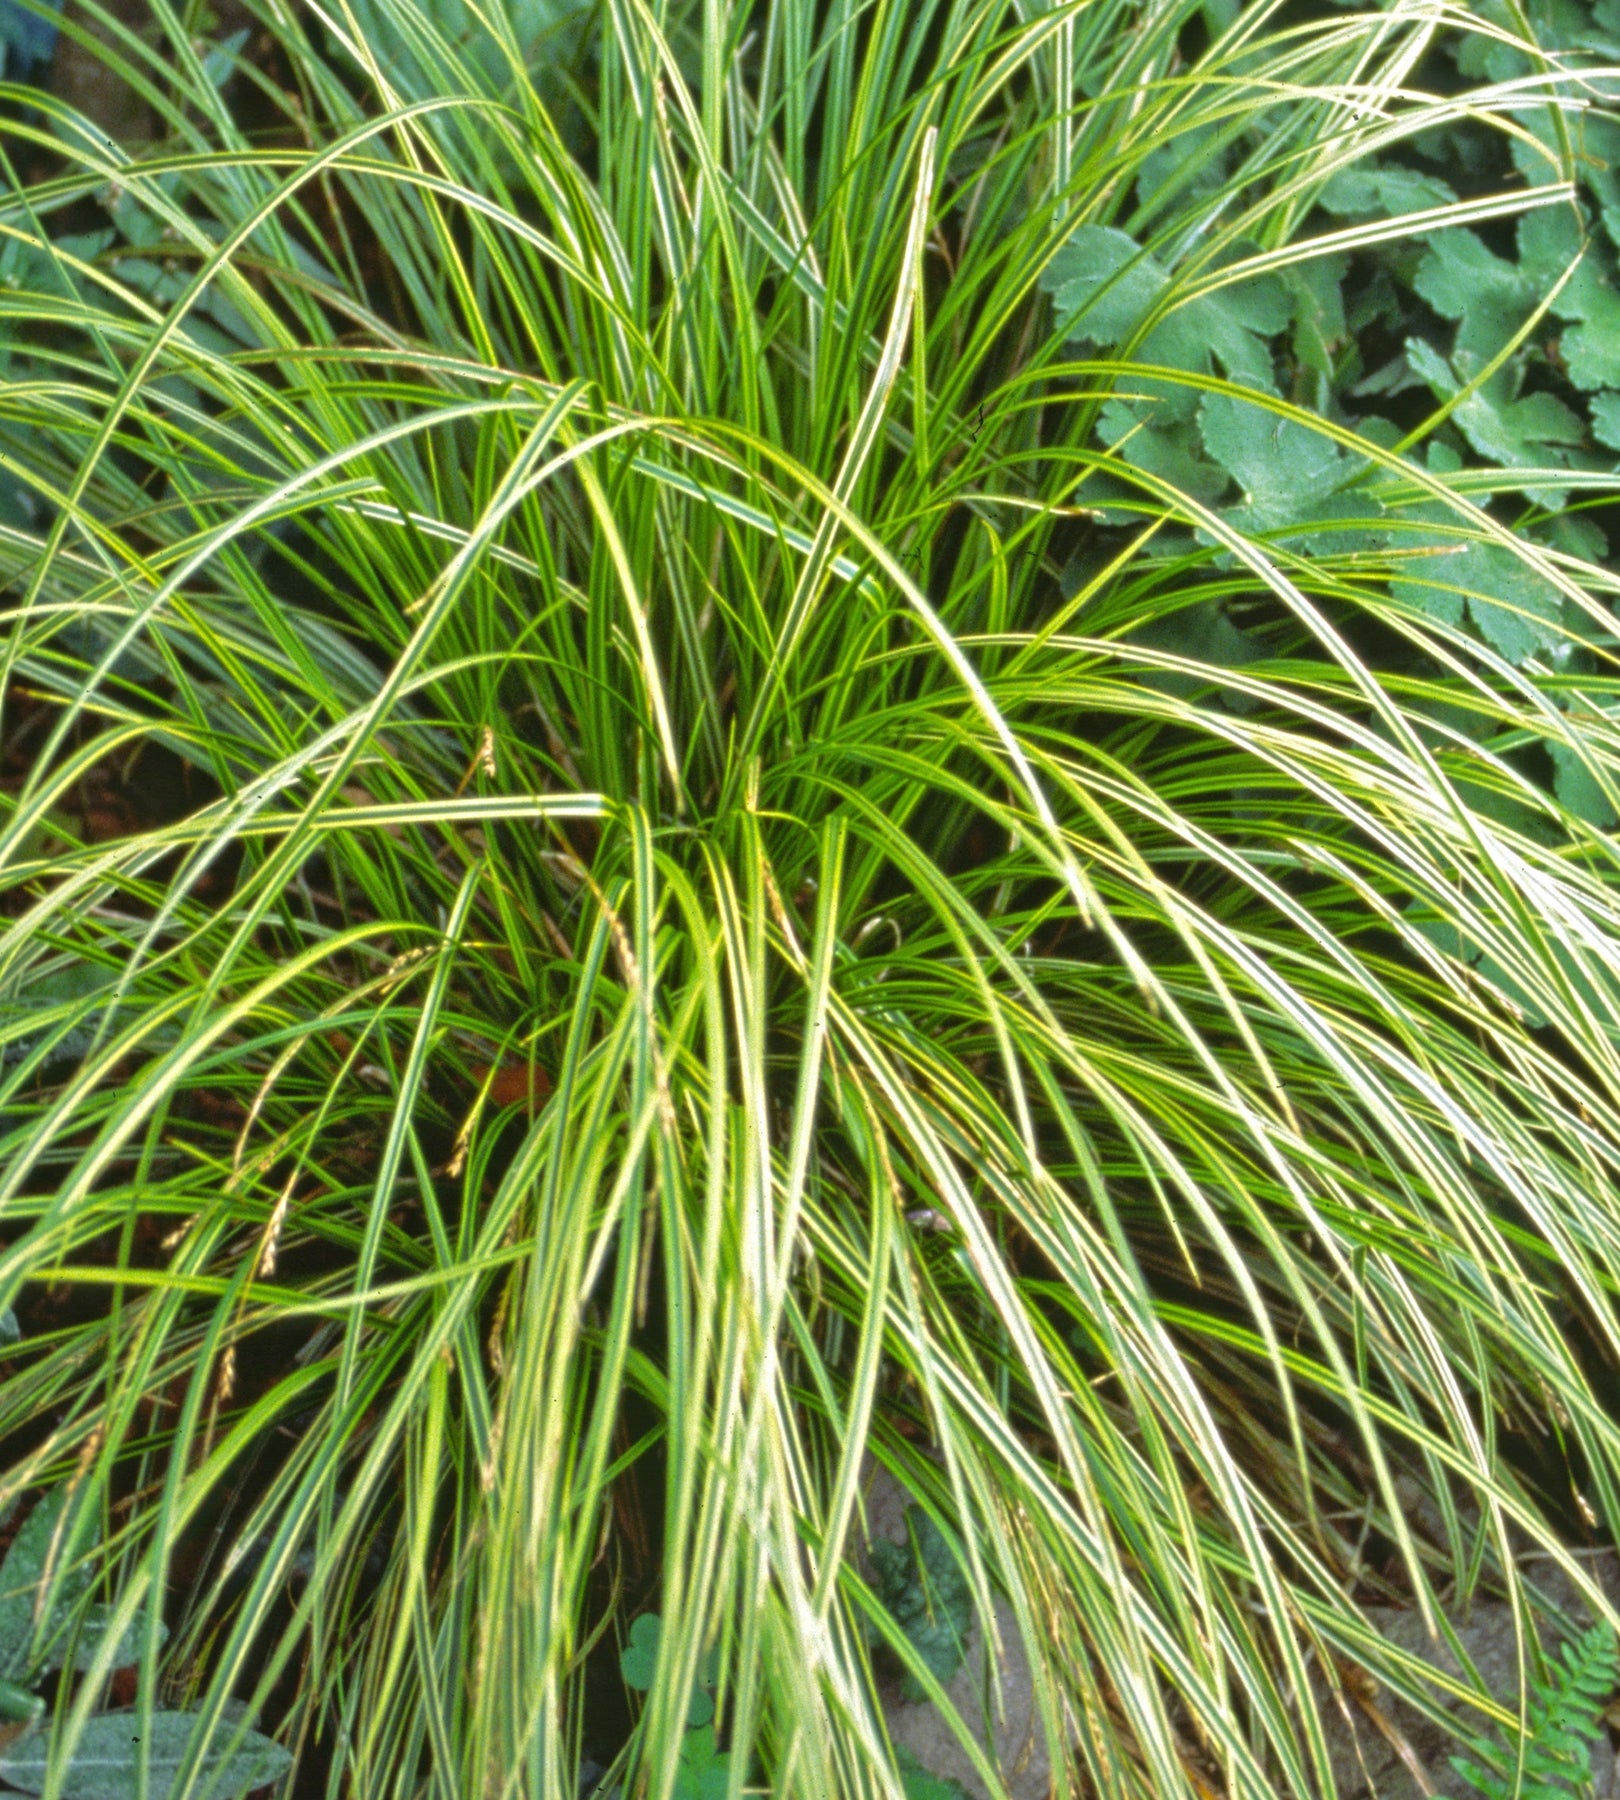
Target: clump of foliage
[
  {"x": 1563, "y": 1717},
  {"x": 921, "y": 1585},
  {"x": 888, "y": 728}
]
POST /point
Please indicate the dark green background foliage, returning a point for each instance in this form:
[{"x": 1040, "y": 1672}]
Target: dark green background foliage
[{"x": 1492, "y": 346}]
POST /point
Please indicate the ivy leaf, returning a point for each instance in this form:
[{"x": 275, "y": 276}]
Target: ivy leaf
[
  {"x": 1375, "y": 302},
  {"x": 1606, "y": 419},
  {"x": 1488, "y": 296},
  {"x": 1432, "y": 587},
  {"x": 1490, "y": 299},
  {"x": 1516, "y": 609},
  {"x": 1291, "y": 476},
  {"x": 1594, "y": 145},
  {"x": 922, "y": 1586},
  {"x": 1536, "y": 428},
  {"x": 1575, "y": 534},
  {"x": 1102, "y": 282},
  {"x": 1190, "y": 164},
  {"x": 1319, "y": 323},
  {"x": 1480, "y": 57},
  {"x": 110, "y": 1750}
]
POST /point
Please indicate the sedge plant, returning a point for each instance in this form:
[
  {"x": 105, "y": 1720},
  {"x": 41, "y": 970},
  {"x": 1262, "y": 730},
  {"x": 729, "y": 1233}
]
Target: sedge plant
[{"x": 659, "y": 841}]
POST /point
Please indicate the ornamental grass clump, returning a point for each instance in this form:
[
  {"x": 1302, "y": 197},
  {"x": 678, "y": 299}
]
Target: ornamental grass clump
[{"x": 742, "y": 736}]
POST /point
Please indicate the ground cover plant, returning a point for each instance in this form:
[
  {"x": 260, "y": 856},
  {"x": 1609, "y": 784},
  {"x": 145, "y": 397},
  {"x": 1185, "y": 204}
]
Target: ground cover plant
[
  {"x": 1559, "y": 1728},
  {"x": 742, "y": 736}
]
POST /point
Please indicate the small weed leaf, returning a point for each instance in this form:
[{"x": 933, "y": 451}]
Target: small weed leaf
[
  {"x": 20, "y": 1712},
  {"x": 1578, "y": 789},
  {"x": 110, "y": 1751},
  {"x": 1202, "y": 633},
  {"x": 702, "y": 1773},
  {"x": 547, "y": 33},
  {"x": 19, "y": 1580},
  {"x": 923, "y": 1588},
  {"x": 638, "y": 1662},
  {"x": 705, "y": 1772},
  {"x": 639, "y": 1658},
  {"x": 1451, "y": 942},
  {"x": 921, "y": 1784},
  {"x": 63, "y": 1042},
  {"x": 27, "y": 38}
]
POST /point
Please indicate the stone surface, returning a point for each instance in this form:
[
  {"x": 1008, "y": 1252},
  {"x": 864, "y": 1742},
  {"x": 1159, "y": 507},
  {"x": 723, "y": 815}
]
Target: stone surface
[{"x": 1367, "y": 1765}]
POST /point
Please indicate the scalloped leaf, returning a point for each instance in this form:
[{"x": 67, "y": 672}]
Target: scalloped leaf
[
  {"x": 922, "y": 1784},
  {"x": 1104, "y": 286},
  {"x": 1383, "y": 191},
  {"x": 1536, "y": 431},
  {"x": 1292, "y": 476}
]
